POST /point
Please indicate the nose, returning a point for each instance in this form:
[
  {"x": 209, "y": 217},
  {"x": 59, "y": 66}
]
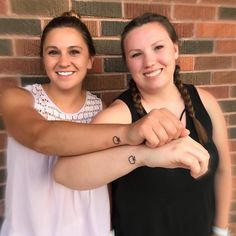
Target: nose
[
  {"x": 149, "y": 60},
  {"x": 64, "y": 60}
]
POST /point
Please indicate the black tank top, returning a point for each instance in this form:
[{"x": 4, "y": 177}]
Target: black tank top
[{"x": 166, "y": 202}]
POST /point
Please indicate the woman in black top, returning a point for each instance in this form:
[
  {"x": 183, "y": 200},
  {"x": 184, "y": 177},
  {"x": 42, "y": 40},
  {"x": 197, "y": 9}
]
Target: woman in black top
[{"x": 158, "y": 201}]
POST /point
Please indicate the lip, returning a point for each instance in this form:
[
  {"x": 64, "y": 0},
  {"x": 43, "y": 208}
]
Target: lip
[{"x": 153, "y": 73}]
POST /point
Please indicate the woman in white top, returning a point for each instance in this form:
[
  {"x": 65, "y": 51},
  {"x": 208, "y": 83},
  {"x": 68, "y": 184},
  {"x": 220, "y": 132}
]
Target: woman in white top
[{"x": 37, "y": 118}]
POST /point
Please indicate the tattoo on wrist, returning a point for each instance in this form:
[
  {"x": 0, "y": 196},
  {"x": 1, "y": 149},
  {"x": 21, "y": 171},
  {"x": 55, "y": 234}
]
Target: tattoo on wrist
[
  {"x": 116, "y": 140},
  {"x": 132, "y": 159}
]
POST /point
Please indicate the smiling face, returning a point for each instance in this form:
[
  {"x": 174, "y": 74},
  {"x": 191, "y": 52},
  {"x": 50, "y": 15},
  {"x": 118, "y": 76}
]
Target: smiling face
[
  {"x": 150, "y": 56},
  {"x": 66, "y": 58}
]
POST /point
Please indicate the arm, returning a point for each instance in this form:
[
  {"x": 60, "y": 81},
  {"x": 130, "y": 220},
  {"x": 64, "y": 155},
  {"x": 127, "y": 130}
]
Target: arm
[
  {"x": 28, "y": 127},
  {"x": 69, "y": 138},
  {"x": 223, "y": 178},
  {"x": 99, "y": 168}
]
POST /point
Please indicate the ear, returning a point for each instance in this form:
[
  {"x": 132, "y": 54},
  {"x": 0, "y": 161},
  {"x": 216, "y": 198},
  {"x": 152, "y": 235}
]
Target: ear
[
  {"x": 90, "y": 63},
  {"x": 176, "y": 49}
]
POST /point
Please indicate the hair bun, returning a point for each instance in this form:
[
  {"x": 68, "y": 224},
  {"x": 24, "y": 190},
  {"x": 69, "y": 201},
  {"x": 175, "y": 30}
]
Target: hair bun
[{"x": 71, "y": 13}]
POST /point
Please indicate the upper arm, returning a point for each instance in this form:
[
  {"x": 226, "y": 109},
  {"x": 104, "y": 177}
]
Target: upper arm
[
  {"x": 220, "y": 136},
  {"x": 117, "y": 112},
  {"x": 22, "y": 121}
]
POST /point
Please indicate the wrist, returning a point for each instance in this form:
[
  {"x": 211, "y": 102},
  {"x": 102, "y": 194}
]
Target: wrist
[{"x": 220, "y": 231}]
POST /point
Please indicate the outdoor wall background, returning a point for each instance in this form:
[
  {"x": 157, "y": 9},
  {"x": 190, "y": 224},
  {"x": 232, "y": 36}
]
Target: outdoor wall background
[{"x": 207, "y": 29}]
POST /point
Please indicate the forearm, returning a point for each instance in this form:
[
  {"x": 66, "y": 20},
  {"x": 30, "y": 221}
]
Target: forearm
[
  {"x": 30, "y": 129},
  {"x": 97, "y": 169},
  {"x": 223, "y": 192},
  {"x": 68, "y": 139}
]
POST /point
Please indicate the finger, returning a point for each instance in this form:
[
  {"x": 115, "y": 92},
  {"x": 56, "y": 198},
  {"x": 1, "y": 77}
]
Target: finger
[
  {"x": 200, "y": 153},
  {"x": 178, "y": 128},
  {"x": 185, "y": 132},
  {"x": 191, "y": 163},
  {"x": 165, "y": 130}
]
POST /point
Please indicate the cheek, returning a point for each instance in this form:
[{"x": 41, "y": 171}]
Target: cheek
[
  {"x": 134, "y": 65},
  {"x": 48, "y": 63}
]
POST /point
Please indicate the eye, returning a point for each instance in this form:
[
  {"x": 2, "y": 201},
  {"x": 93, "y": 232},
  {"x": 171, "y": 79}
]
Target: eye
[
  {"x": 74, "y": 52},
  {"x": 53, "y": 52},
  {"x": 135, "y": 54},
  {"x": 158, "y": 47}
]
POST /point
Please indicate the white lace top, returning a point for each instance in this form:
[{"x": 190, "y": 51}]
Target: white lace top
[{"x": 35, "y": 204}]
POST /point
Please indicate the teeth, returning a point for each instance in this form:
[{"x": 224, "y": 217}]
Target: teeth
[
  {"x": 155, "y": 73},
  {"x": 65, "y": 73}
]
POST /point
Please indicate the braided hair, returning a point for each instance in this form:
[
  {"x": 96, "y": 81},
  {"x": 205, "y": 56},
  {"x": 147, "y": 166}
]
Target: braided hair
[{"x": 135, "y": 93}]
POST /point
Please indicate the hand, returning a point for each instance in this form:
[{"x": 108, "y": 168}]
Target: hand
[
  {"x": 158, "y": 127},
  {"x": 183, "y": 152}
]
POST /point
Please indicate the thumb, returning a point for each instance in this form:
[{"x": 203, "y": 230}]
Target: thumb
[{"x": 185, "y": 133}]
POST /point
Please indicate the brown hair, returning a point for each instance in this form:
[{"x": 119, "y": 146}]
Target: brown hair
[
  {"x": 136, "y": 96},
  {"x": 69, "y": 19}
]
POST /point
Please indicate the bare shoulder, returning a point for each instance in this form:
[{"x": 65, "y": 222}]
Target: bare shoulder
[
  {"x": 16, "y": 94},
  {"x": 117, "y": 112},
  {"x": 14, "y": 100},
  {"x": 208, "y": 100},
  {"x": 213, "y": 108}
]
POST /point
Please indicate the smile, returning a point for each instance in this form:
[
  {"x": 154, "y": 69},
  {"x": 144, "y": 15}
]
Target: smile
[
  {"x": 65, "y": 73},
  {"x": 153, "y": 73}
]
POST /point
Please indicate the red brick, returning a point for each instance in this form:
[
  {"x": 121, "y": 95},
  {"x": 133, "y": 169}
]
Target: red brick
[
  {"x": 232, "y": 91},
  {"x": 222, "y": 2},
  {"x": 109, "y": 97},
  {"x": 97, "y": 66},
  {"x": 232, "y": 145},
  {"x": 159, "y": 1},
  {"x": 104, "y": 82},
  {"x": 212, "y": 30},
  {"x": 194, "y": 12},
  {"x": 212, "y": 62},
  {"x": 234, "y": 62},
  {"x": 92, "y": 27},
  {"x": 3, "y": 140},
  {"x": 21, "y": 66},
  {"x": 2, "y": 209},
  {"x": 233, "y": 159},
  {"x": 225, "y": 46},
  {"x": 132, "y": 10},
  {"x": 27, "y": 47},
  {"x": 91, "y": 24},
  {"x": 186, "y": 63},
  {"x": 3, "y": 7},
  {"x": 218, "y": 91},
  {"x": 184, "y": 1},
  {"x": 224, "y": 77},
  {"x": 184, "y": 30}
]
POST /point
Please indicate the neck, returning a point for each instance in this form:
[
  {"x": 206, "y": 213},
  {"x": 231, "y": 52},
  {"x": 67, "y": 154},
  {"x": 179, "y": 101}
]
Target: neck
[
  {"x": 168, "y": 97},
  {"x": 69, "y": 101}
]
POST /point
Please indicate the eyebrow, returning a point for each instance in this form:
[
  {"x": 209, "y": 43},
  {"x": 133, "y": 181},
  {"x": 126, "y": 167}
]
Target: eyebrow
[
  {"x": 159, "y": 41},
  {"x": 70, "y": 47}
]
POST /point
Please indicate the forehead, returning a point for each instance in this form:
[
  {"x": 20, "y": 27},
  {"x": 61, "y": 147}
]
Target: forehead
[
  {"x": 147, "y": 33},
  {"x": 64, "y": 35}
]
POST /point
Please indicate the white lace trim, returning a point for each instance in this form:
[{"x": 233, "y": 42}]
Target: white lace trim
[{"x": 50, "y": 111}]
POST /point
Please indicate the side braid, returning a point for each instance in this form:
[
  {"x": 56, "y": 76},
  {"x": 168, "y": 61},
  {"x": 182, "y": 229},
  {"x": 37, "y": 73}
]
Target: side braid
[
  {"x": 136, "y": 98},
  {"x": 201, "y": 132}
]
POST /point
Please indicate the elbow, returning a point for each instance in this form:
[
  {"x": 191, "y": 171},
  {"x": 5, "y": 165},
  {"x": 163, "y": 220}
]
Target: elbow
[
  {"x": 63, "y": 177},
  {"x": 43, "y": 144}
]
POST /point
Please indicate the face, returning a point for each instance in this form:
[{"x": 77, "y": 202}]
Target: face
[
  {"x": 66, "y": 58},
  {"x": 150, "y": 56}
]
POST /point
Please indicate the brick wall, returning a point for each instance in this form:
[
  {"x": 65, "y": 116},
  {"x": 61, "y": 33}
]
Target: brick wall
[{"x": 207, "y": 29}]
